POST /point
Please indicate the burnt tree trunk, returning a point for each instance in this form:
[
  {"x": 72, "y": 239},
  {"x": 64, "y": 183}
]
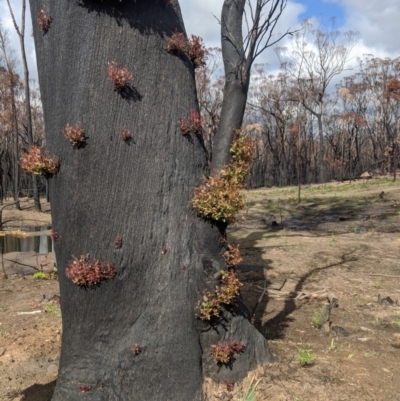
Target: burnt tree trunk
[
  {"x": 236, "y": 82},
  {"x": 140, "y": 190}
]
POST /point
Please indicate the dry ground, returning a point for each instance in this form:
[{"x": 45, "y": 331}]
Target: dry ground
[{"x": 342, "y": 240}]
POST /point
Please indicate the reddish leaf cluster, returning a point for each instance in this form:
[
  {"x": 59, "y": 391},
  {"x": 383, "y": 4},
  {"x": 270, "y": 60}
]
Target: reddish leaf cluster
[
  {"x": 354, "y": 118},
  {"x": 232, "y": 254},
  {"x": 184, "y": 126},
  {"x": 43, "y": 20},
  {"x": 118, "y": 241},
  {"x": 125, "y": 134},
  {"x": 54, "y": 236},
  {"x": 38, "y": 162},
  {"x": 178, "y": 44},
  {"x": 75, "y": 134},
  {"x": 193, "y": 123},
  {"x": 224, "y": 294},
  {"x": 136, "y": 349},
  {"x": 229, "y": 386},
  {"x": 197, "y": 51},
  {"x": 86, "y": 272},
  {"x": 120, "y": 75},
  {"x": 84, "y": 388},
  {"x": 229, "y": 289},
  {"x": 237, "y": 347},
  {"x": 220, "y": 198},
  {"x": 222, "y": 353},
  {"x": 393, "y": 89}
]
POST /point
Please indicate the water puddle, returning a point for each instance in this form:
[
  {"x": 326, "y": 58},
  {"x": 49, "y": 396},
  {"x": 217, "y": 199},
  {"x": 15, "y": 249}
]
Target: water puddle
[{"x": 27, "y": 239}]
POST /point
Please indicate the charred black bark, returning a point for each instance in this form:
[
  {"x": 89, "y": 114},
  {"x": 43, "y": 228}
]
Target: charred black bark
[{"x": 141, "y": 192}]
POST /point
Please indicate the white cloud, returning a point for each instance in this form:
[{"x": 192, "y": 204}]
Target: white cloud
[
  {"x": 7, "y": 24},
  {"x": 377, "y": 21},
  {"x": 200, "y": 19}
]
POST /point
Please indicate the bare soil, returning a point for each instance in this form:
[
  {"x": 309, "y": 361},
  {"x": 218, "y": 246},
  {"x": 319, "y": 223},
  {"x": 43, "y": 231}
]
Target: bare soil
[{"x": 341, "y": 241}]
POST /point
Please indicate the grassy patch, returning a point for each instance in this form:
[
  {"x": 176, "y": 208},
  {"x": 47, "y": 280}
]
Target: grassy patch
[{"x": 305, "y": 356}]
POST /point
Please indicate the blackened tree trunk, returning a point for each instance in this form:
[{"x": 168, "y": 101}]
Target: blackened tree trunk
[
  {"x": 140, "y": 190},
  {"x": 239, "y": 54},
  {"x": 236, "y": 81}
]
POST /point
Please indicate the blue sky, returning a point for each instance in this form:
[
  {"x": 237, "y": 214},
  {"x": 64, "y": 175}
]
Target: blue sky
[
  {"x": 377, "y": 21},
  {"x": 325, "y": 9}
]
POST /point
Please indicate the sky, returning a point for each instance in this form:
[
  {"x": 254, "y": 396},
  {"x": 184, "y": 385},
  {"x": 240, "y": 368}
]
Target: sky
[{"x": 377, "y": 22}]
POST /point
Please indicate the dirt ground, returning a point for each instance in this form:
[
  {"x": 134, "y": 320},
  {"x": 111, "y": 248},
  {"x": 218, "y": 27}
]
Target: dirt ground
[{"x": 342, "y": 241}]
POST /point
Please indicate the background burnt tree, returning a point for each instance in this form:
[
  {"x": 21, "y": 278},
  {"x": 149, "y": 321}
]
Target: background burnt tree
[
  {"x": 13, "y": 114},
  {"x": 210, "y": 85},
  {"x": 239, "y": 53},
  {"x": 28, "y": 115},
  {"x": 169, "y": 255},
  {"x": 313, "y": 58},
  {"x": 10, "y": 139}
]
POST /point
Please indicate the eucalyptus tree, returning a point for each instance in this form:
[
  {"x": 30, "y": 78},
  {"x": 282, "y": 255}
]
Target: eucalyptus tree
[{"x": 121, "y": 200}]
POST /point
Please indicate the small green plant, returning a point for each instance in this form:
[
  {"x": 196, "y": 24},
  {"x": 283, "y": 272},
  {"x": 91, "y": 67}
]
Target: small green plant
[
  {"x": 378, "y": 283},
  {"x": 247, "y": 391},
  {"x": 268, "y": 334},
  {"x": 39, "y": 275},
  {"x": 350, "y": 356},
  {"x": 52, "y": 309},
  {"x": 305, "y": 356},
  {"x": 334, "y": 238},
  {"x": 316, "y": 318},
  {"x": 397, "y": 323}
]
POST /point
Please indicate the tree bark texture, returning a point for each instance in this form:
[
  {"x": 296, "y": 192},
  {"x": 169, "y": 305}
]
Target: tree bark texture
[{"x": 140, "y": 190}]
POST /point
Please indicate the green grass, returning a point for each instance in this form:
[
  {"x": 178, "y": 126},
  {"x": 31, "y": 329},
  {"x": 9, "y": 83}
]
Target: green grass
[
  {"x": 39, "y": 276},
  {"x": 247, "y": 392},
  {"x": 305, "y": 356},
  {"x": 316, "y": 318},
  {"x": 53, "y": 309}
]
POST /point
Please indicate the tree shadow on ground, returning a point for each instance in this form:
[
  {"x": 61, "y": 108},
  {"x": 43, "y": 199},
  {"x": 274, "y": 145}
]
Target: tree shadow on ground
[
  {"x": 277, "y": 325},
  {"x": 257, "y": 301},
  {"x": 39, "y": 392}
]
